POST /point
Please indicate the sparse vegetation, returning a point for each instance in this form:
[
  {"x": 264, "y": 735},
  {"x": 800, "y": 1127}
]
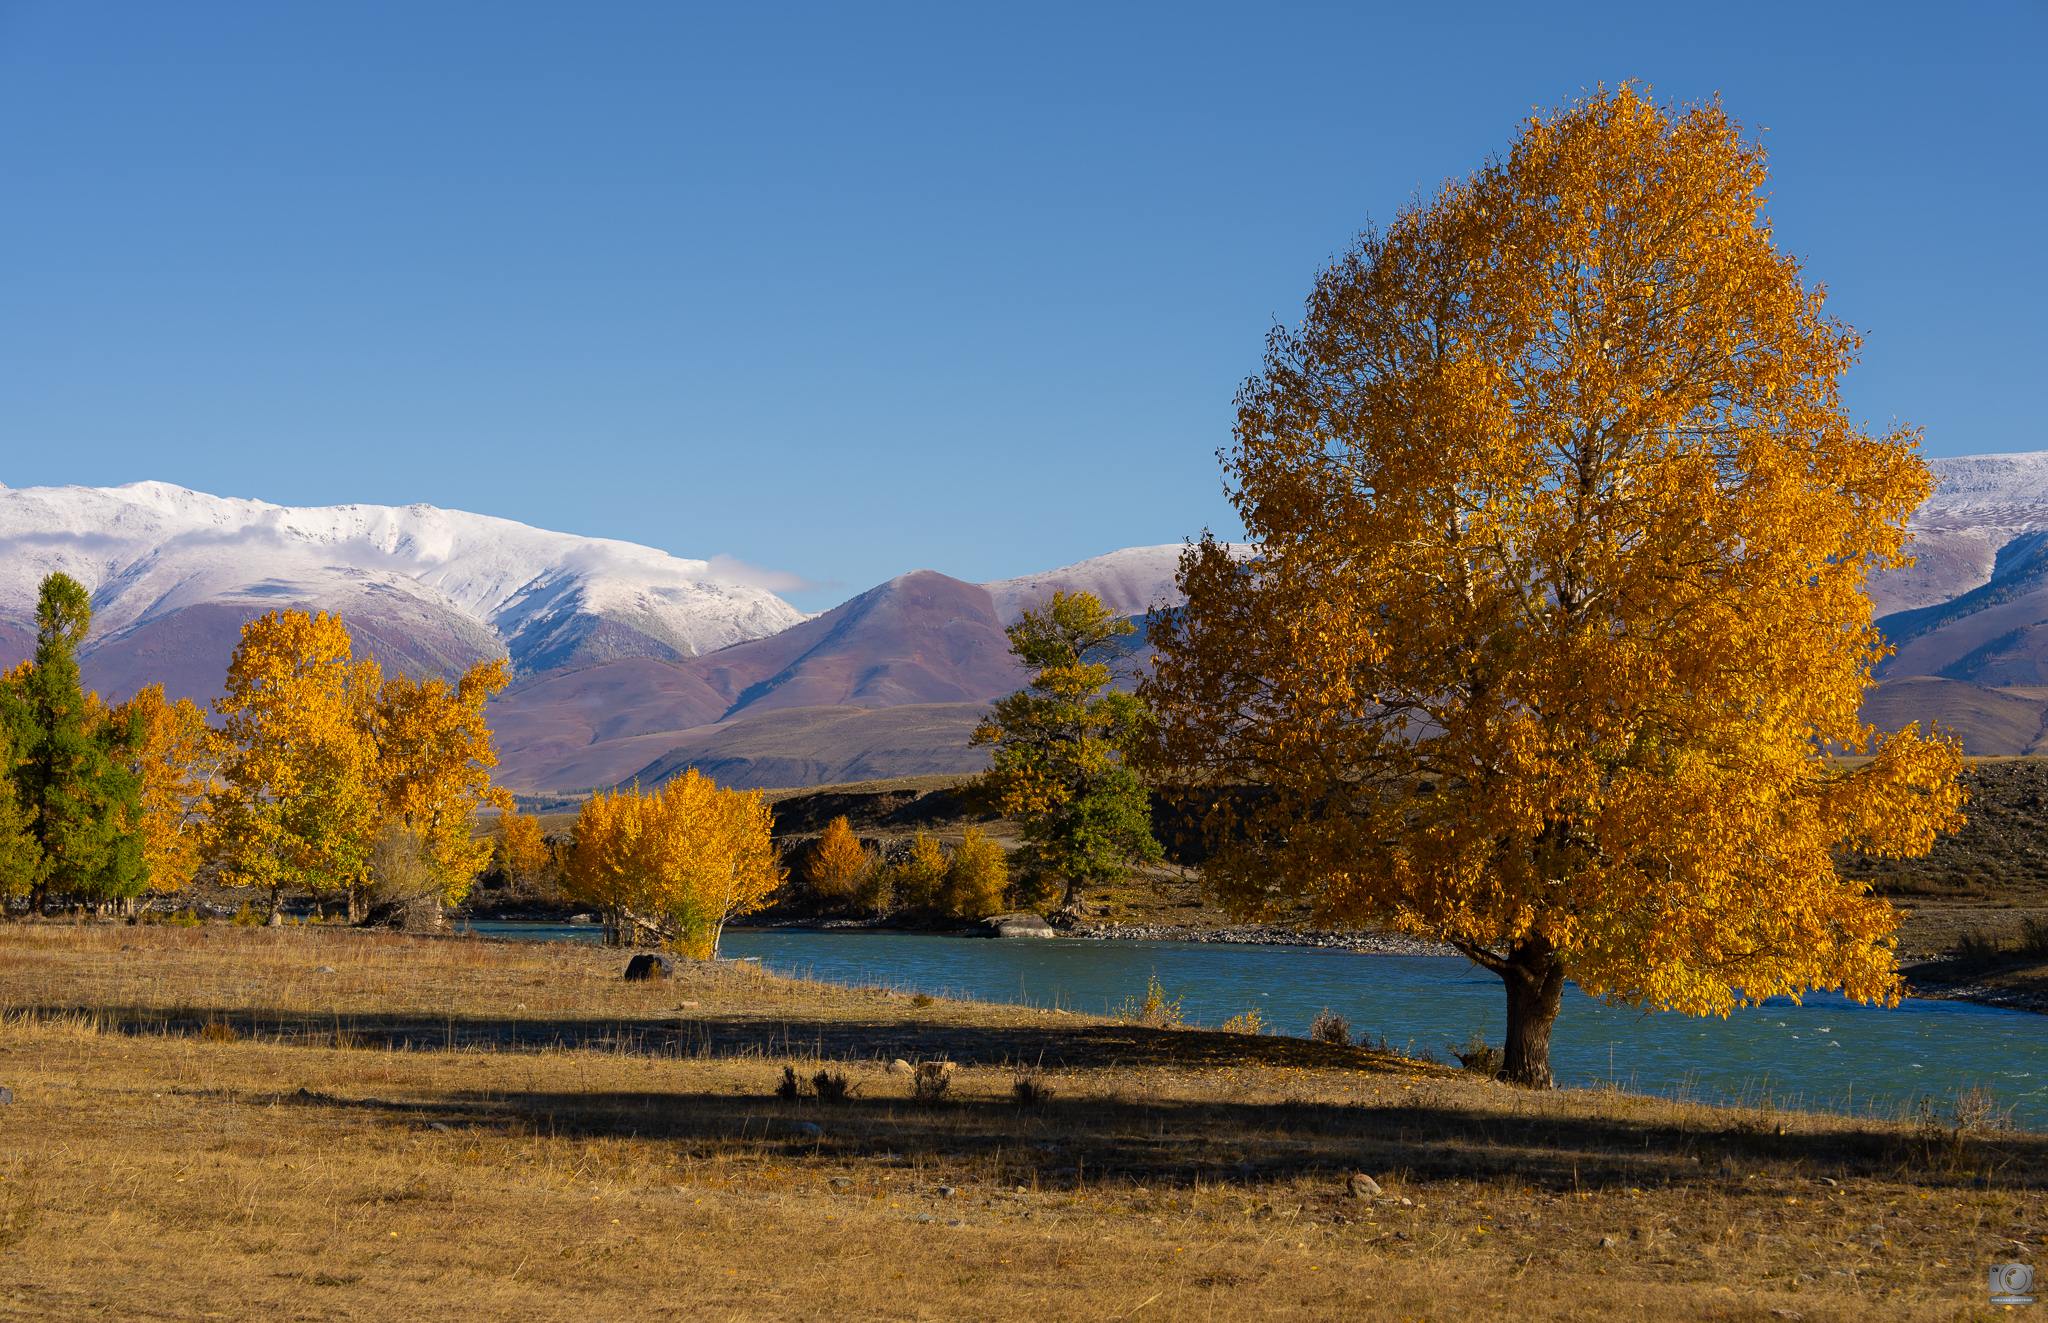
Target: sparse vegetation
[
  {"x": 1330, "y": 1027},
  {"x": 931, "y": 1081}
]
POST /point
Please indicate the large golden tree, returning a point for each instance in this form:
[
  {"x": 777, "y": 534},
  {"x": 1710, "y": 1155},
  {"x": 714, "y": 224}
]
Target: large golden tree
[{"x": 1554, "y": 631}]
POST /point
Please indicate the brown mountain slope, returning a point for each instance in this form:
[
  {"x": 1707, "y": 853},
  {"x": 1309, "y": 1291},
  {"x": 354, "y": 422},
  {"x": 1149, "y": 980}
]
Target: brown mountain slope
[
  {"x": 1990, "y": 722},
  {"x": 920, "y": 639}
]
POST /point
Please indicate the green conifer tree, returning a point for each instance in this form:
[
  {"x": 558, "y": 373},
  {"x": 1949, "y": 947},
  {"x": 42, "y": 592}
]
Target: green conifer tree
[
  {"x": 1058, "y": 764},
  {"x": 72, "y": 780}
]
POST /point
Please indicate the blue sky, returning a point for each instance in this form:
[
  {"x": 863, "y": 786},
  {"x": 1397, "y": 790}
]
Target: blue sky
[{"x": 847, "y": 290}]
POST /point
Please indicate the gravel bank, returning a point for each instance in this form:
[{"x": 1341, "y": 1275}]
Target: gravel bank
[{"x": 1255, "y": 934}]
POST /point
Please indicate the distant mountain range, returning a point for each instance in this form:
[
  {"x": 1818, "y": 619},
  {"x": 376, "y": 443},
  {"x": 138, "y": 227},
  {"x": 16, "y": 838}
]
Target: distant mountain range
[
  {"x": 174, "y": 574},
  {"x": 634, "y": 664},
  {"x": 625, "y": 655}
]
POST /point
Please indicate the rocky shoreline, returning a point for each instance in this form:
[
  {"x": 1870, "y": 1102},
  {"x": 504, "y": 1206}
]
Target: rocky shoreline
[{"x": 1254, "y": 934}]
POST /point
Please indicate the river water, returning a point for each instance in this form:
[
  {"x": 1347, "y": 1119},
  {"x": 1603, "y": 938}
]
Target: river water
[{"x": 1829, "y": 1053}]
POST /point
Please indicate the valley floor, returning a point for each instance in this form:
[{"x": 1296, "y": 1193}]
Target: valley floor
[{"x": 302, "y": 1123}]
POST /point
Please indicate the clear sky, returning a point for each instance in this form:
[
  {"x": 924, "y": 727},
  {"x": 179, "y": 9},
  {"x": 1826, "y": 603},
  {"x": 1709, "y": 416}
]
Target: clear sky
[{"x": 851, "y": 289}]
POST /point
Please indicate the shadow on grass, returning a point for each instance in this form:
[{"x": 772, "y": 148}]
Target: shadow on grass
[
  {"x": 1053, "y": 1045},
  {"x": 1100, "y": 1130}
]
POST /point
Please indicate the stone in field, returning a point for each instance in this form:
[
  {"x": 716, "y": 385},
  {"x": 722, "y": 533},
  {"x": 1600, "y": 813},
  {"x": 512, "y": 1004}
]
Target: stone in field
[
  {"x": 1363, "y": 1186},
  {"x": 6, "y": 1097},
  {"x": 649, "y": 965},
  {"x": 901, "y": 1067},
  {"x": 806, "y": 1129}
]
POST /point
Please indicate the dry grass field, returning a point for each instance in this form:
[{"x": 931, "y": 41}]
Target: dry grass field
[{"x": 207, "y": 1123}]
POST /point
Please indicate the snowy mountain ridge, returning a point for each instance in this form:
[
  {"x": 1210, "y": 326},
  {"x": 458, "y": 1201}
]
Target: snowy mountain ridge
[{"x": 480, "y": 585}]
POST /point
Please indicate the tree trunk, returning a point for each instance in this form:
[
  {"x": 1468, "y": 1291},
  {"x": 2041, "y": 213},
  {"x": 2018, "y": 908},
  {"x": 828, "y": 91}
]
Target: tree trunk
[{"x": 1535, "y": 985}]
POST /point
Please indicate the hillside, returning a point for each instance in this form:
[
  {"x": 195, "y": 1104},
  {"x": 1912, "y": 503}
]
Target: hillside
[{"x": 917, "y": 640}]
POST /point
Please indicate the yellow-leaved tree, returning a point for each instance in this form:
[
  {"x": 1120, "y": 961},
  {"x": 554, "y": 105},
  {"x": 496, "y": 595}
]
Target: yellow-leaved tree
[
  {"x": 1555, "y": 625},
  {"x": 688, "y": 856},
  {"x": 336, "y": 779},
  {"x": 433, "y": 770},
  {"x": 297, "y": 802},
  {"x": 839, "y": 864},
  {"x": 522, "y": 849}
]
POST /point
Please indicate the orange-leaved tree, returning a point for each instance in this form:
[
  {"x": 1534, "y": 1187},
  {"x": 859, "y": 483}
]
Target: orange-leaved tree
[
  {"x": 178, "y": 760},
  {"x": 838, "y": 864},
  {"x": 297, "y": 801},
  {"x": 688, "y": 856},
  {"x": 1555, "y": 624}
]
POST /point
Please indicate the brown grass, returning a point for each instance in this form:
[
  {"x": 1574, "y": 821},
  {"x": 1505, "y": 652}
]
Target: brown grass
[{"x": 205, "y": 1126}]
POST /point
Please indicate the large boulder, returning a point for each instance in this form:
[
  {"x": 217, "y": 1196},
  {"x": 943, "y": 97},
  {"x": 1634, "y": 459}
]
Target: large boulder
[
  {"x": 649, "y": 965},
  {"x": 1017, "y": 925}
]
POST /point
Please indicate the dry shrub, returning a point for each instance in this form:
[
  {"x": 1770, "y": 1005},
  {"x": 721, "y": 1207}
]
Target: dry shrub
[
  {"x": 789, "y": 1088},
  {"x": 1480, "y": 1057},
  {"x": 1329, "y": 1027},
  {"x": 214, "y": 1031},
  {"x": 920, "y": 1001},
  {"x": 931, "y": 1081},
  {"x": 832, "y": 1088},
  {"x": 1031, "y": 1091},
  {"x": 1250, "y": 1022}
]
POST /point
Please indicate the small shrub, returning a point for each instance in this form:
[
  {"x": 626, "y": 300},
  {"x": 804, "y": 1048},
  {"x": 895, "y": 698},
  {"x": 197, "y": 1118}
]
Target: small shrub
[
  {"x": 184, "y": 919},
  {"x": 920, "y": 1000},
  {"x": 831, "y": 1088},
  {"x": 976, "y": 877},
  {"x": 838, "y": 866},
  {"x": 1251, "y": 1022},
  {"x": 917, "y": 880},
  {"x": 790, "y": 1089},
  {"x": 1979, "y": 946},
  {"x": 1156, "y": 1011},
  {"x": 1331, "y": 1028},
  {"x": 931, "y": 1081},
  {"x": 2033, "y": 943},
  {"x": 214, "y": 1031},
  {"x": 1031, "y": 1091},
  {"x": 1480, "y": 1058},
  {"x": 246, "y": 917}
]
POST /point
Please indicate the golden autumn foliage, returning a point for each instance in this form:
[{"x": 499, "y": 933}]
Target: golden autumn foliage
[
  {"x": 976, "y": 876},
  {"x": 1556, "y": 619},
  {"x": 839, "y": 865},
  {"x": 329, "y": 766},
  {"x": 689, "y": 855},
  {"x": 177, "y": 762},
  {"x": 521, "y": 847},
  {"x": 433, "y": 770},
  {"x": 297, "y": 802}
]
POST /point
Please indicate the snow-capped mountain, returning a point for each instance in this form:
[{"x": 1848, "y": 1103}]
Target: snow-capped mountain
[
  {"x": 1131, "y": 581},
  {"x": 1981, "y": 503},
  {"x": 174, "y": 573}
]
